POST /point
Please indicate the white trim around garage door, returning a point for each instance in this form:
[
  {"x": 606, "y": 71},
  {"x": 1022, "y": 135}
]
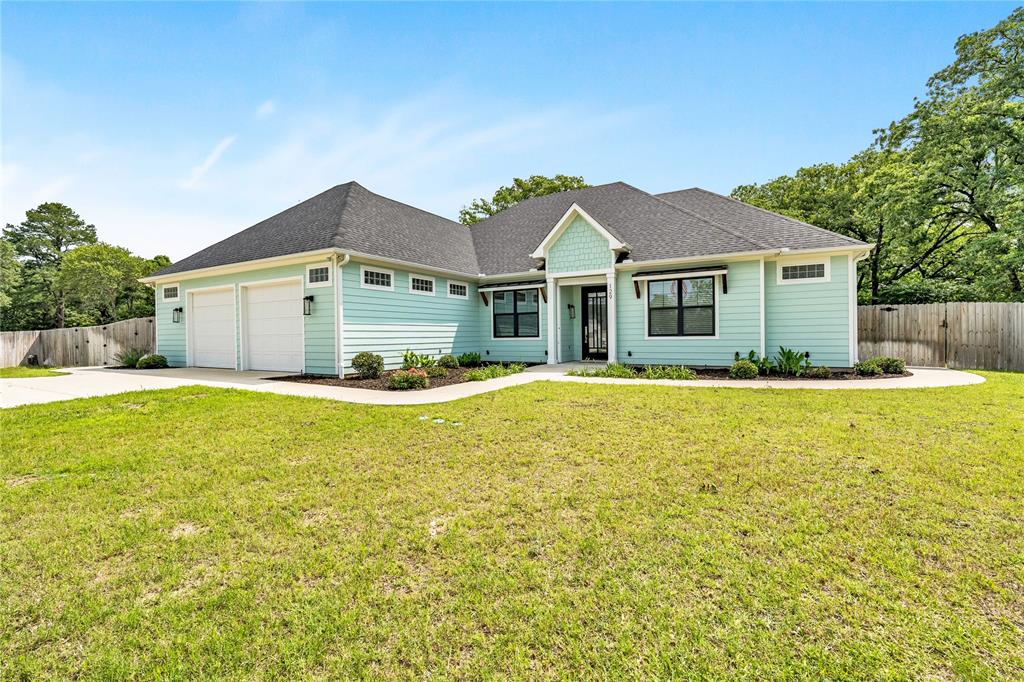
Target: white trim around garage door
[
  {"x": 189, "y": 344},
  {"x": 242, "y": 327}
]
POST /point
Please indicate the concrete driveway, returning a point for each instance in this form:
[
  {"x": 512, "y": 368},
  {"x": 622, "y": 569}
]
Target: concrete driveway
[{"x": 87, "y": 382}]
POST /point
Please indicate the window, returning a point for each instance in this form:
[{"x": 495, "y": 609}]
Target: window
[
  {"x": 374, "y": 278},
  {"x": 517, "y": 314},
  {"x": 812, "y": 271},
  {"x": 318, "y": 276},
  {"x": 421, "y": 285},
  {"x": 800, "y": 272},
  {"x": 170, "y": 292},
  {"x": 681, "y": 307},
  {"x": 458, "y": 290}
]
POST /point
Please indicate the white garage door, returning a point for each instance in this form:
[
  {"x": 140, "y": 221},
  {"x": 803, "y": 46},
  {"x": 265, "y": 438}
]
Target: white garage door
[
  {"x": 273, "y": 323},
  {"x": 213, "y": 328}
]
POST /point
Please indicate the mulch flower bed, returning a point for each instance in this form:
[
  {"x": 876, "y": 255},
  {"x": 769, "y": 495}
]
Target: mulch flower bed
[
  {"x": 836, "y": 376},
  {"x": 455, "y": 376}
]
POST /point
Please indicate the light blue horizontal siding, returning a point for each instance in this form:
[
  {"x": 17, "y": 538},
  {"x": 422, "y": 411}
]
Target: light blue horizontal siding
[
  {"x": 390, "y": 322},
  {"x": 512, "y": 350},
  {"x": 811, "y": 316},
  {"x": 318, "y": 327},
  {"x": 738, "y": 318}
]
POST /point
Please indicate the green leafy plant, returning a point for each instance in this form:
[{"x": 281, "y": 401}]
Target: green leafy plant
[
  {"x": 411, "y": 359},
  {"x": 743, "y": 369},
  {"x": 673, "y": 372},
  {"x": 764, "y": 364},
  {"x": 130, "y": 357},
  {"x": 868, "y": 368},
  {"x": 818, "y": 373},
  {"x": 612, "y": 371},
  {"x": 369, "y": 365},
  {"x": 891, "y": 365},
  {"x": 494, "y": 371},
  {"x": 469, "y": 360},
  {"x": 448, "y": 361},
  {"x": 408, "y": 379},
  {"x": 791, "y": 362},
  {"x": 152, "y": 361},
  {"x": 437, "y": 372}
]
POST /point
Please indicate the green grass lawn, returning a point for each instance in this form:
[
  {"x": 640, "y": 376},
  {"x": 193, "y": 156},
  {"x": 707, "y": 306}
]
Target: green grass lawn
[
  {"x": 22, "y": 372},
  {"x": 561, "y": 530}
]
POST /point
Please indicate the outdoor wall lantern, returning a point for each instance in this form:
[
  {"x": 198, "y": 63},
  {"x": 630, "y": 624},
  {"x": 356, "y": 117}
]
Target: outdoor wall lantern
[
  {"x": 572, "y": 311},
  {"x": 176, "y": 315},
  {"x": 307, "y": 305}
]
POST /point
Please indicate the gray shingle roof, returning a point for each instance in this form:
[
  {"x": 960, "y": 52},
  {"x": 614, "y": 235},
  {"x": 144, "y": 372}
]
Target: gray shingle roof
[
  {"x": 771, "y": 229},
  {"x": 348, "y": 217},
  {"x": 687, "y": 223}
]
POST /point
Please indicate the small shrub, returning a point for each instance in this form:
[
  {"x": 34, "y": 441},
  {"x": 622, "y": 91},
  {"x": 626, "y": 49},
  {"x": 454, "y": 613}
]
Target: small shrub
[
  {"x": 868, "y": 368},
  {"x": 411, "y": 359},
  {"x": 448, "y": 361},
  {"x": 437, "y": 372},
  {"x": 764, "y": 365},
  {"x": 818, "y": 373},
  {"x": 369, "y": 365},
  {"x": 494, "y": 371},
  {"x": 130, "y": 357},
  {"x": 407, "y": 379},
  {"x": 891, "y": 365},
  {"x": 673, "y": 372},
  {"x": 790, "y": 362},
  {"x": 151, "y": 362},
  {"x": 469, "y": 360},
  {"x": 743, "y": 369}
]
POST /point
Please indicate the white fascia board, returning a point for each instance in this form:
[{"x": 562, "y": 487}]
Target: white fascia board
[{"x": 576, "y": 210}]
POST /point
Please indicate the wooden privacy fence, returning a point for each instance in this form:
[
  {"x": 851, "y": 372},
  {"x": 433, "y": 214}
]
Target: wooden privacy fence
[
  {"x": 962, "y": 335},
  {"x": 78, "y": 346}
]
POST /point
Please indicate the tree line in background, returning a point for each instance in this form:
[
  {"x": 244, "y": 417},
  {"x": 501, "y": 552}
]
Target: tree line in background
[
  {"x": 940, "y": 192},
  {"x": 54, "y": 273}
]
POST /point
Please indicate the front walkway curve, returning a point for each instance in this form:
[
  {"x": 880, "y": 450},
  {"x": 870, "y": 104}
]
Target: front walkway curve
[{"x": 87, "y": 382}]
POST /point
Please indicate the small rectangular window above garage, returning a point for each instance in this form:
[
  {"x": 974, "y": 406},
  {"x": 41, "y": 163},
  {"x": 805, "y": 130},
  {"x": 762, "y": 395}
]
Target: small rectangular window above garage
[{"x": 318, "y": 276}]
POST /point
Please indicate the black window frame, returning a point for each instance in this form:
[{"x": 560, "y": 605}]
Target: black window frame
[
  {"x": 515, "y": 315},
  {"x": 680, "y": 308}
]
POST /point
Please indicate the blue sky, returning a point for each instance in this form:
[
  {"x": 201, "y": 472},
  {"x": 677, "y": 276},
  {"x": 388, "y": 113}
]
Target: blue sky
[{"x": 171, "y": 126}]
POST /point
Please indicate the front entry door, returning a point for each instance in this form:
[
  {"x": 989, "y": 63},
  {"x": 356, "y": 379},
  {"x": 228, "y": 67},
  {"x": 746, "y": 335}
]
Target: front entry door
[{"x": 595, "y": 322}]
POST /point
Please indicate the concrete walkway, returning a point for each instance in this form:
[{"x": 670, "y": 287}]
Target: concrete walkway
[{"x": 86, "y": 382}]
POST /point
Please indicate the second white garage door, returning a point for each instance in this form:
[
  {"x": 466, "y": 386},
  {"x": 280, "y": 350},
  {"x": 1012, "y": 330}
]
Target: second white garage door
[{"x": 273, "y": 327}]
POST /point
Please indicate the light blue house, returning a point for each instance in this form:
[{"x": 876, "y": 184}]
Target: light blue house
[{"x": 607, "y": 272}]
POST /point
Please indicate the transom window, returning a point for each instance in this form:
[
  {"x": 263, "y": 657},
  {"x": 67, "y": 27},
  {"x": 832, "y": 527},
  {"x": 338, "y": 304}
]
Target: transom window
[
  {"x": 517, "y": 314},
  {"x": 377, "y": 279},
  {"x": 319, "y": 275},
  {"x": 421, "y": 285},
  {"x": 170, "y": 292},
  {"x": 806, "y": 271},
  {"x": 458, "y": 290},
  {"x": 681, "y": 307}
]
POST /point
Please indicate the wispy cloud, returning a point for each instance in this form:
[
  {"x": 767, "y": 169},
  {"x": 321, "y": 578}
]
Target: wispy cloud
[
  {"x": 209, "y": 162},
  {"x": 266, "y": 109}
]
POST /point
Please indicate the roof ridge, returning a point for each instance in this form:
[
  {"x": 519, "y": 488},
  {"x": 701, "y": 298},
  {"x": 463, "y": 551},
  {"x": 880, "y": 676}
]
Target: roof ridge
[
  {"x": 415, "y": 208},
  {"x": 546, "y": 196},
  {"x": 339, "y": 228},
  {"x": 765, "y": 210},
  {"x": 703, "y": 218}
]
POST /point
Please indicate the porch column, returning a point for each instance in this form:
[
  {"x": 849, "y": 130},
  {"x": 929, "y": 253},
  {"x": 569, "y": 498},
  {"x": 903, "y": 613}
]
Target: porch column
[
  {"x": 612, "y": 328},
  {"x": 552, "y": 324}
]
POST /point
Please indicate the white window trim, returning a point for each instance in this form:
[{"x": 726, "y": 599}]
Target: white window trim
[
  {"x": 362, "y": 278},
  {"x": 449, "y": 289},
  {"x": 329, "y": 282},
  {"x": 689, "y": 337},
  {"x": 789, "y": 262},
  {"x": 541, "y": 318},
  {"x": 425, "y": 278},
  {"x": 176, "y": 299}
]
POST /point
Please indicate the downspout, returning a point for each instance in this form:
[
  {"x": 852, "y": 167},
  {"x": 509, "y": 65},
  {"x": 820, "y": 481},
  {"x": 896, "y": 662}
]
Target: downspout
[
  {"x": 339, "y": 346},
  {"x": 854, "y": 321},
  {"x": 761, "y": 288}
]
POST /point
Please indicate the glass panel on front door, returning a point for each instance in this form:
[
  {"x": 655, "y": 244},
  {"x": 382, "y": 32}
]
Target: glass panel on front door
[{"x": 595, "y": 323}]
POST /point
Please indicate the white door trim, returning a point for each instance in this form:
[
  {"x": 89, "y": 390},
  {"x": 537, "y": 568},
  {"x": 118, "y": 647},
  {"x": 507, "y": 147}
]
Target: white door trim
[{"x": 243, "y": 327}]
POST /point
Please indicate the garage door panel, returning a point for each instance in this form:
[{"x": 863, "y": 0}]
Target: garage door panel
[
  {"x": 213, "y": 329},
  {"x": 274, "y": 323}
]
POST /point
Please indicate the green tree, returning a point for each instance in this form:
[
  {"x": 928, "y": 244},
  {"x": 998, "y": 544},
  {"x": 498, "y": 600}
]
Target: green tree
[
  {"x": 10, "y": 273},
  {"x": 98, "y": 276},
  {"x": 48, "y": 232},
  {"x": 520, "y": 190}
]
